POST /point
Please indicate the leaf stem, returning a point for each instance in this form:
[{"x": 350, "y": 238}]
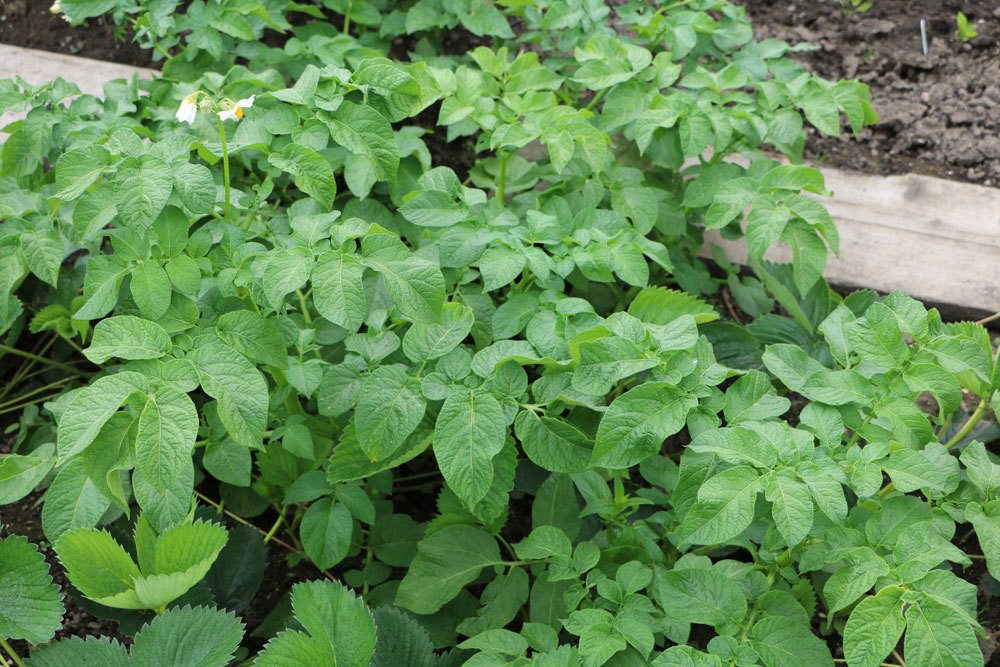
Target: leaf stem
[
  {"x": 17, "y": 660},
  {"x": 502, "y": 176},
  {"x": 34, "y": 401},
  {"x": 20, "y": 398},
  {"x": 304, "y": 307},
  {"x": 238, "y": 519},
  {"x": 274, "y": 529},
  {"x": 989, "y": 318},
  {"x": 347, "y": 17},
  {"x": 225, "y": 161},
  {"x": 970, "y": 423},
  {"x": 6, "y": 349},
  {"x": 596, "y": 99}
]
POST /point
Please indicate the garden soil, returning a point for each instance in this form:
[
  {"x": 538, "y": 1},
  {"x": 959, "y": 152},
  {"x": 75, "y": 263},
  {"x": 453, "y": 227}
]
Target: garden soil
[{"x": 940, "y": 112}]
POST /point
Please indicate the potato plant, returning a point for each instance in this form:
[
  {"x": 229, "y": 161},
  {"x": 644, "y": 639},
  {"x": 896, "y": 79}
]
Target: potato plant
[{"x": 434, "y": 326}]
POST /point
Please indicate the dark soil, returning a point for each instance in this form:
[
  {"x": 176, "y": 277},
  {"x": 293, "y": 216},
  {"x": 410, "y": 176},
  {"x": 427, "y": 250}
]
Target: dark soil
[
  {"x": 940, "y": 112},
  {"x": 29, "y": 23}
]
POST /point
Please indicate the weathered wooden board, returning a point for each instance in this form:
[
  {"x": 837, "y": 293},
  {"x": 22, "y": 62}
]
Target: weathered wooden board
[
  {"x": 935, "y": 239},
  {"x": 40, "y": 66}
]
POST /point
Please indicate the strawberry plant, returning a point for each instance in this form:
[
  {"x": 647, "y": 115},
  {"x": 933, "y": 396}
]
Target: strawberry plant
[{"x": 434, "y": 331}]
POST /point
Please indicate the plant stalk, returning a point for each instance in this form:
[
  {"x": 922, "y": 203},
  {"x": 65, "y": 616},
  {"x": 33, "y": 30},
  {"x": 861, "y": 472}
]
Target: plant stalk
[
  {"x": 13, "y": 655},
  {"x": 502, "y": 177},
  {"x": 6, "y": 349},
  {"x": 225, "y": 161}
]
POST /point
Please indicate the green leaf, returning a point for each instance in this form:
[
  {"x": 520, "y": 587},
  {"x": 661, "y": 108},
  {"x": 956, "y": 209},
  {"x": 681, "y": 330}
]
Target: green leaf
[
  {"x": 142, "y": 186},
  {"x": 446, "y": 562},
  {"x": 326, "y": 532},
  {"x": 286, "y": 270},
  {"x": 189, "y": 636},
  {"x": 702, "y": 596},
  {"x": 310, "y": 171},
  {"x": 659, "y": 305},
  {"x": 389, "y": 409},
  {"x": 75, "y": 651},
  {"x": 986, "y": 520},
  {"x": 43, "y": 252},
  {"x": 500, "y": 265},
  {"x": 72, "y": 501},
  {"x": 338, "y": 630},
  {"x": 254, "y": 336},
  {"x": 168, "y": 428},
  {"x": 195, "y": 186},
  {"x": 605, "y": 361},
  {"x": 99, "y": 567},
  {"x": 182, "y": 557},
  {"x": 366, "y": 133},
  {"x": 429, "y": 341},
  {"x": 391, "y": 91},
  {"x": 415, "y": 285},
  {"x": 127, "y": 337},
  {"x": 237, "y": 386},
  {"x": 637, "y": 423},
  {"x": 78, "y": 169},
  {"x": 30, "y": 603},
  {"x": 752, "y": 398},
  {"x": 338, "y": 292},
  {"x": 77, "y": 10},
  {"x": 21, "y": 473},
  {"x": 238, "y": 571},
  {"x": 400, "y": 640},
  {"x": 874, "y": 628},
  {"x": 725, "y": 506},
  {"x": 90, "y": 408},
  {"x": 936, "y": 636},
  {"x": 793, "y": 506},
  {"x": 783, "y": 644},
  {"x": 470, "y": 430},
  {"x": 434, "y": 208},
  {"x": 553, "y": 444},
  {"x": 101, "y": 286},
  {"x": 863, "y": 568},
  {"x": 877, "y": 337},
  {"x": 150, "y": 287}
]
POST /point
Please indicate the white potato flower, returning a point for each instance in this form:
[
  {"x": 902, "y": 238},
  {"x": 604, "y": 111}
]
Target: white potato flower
[
  {"x": 188, "y": 109},
  {"x": 236, "y": 111}
]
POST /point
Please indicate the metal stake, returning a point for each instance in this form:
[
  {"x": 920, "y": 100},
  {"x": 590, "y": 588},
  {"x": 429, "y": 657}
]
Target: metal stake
[{"x": 923, "y": 35}]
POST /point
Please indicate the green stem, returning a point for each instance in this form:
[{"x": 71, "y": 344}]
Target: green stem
[
  {"x": 21, "y": 406},
  {"x": 13, "y": 656},
  {"x": 6, "y": 349},
  {"x": 347, "y": 17},
  {"x": 970, "y": 423},
  {"x": 71, "y": 343},
  {"x": 304, "y": 307},
  {"x": 20, "y": 398},
  {"x": 225, "y": 161},
  {"x": 502, "y": 177},
  {"x": 274, "y": 529},
  {"x": 240, "y": 520},
  {"x": 596, "y": 99}
]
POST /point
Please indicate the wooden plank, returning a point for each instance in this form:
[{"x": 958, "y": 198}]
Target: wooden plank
[
  {"x": 935, "y": 239},
  {"x": 37, "y": 67}
]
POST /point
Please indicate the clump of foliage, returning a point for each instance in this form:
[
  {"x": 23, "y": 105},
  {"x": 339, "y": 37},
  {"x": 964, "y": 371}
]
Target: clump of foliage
[{"x": 493, "y": 408}]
